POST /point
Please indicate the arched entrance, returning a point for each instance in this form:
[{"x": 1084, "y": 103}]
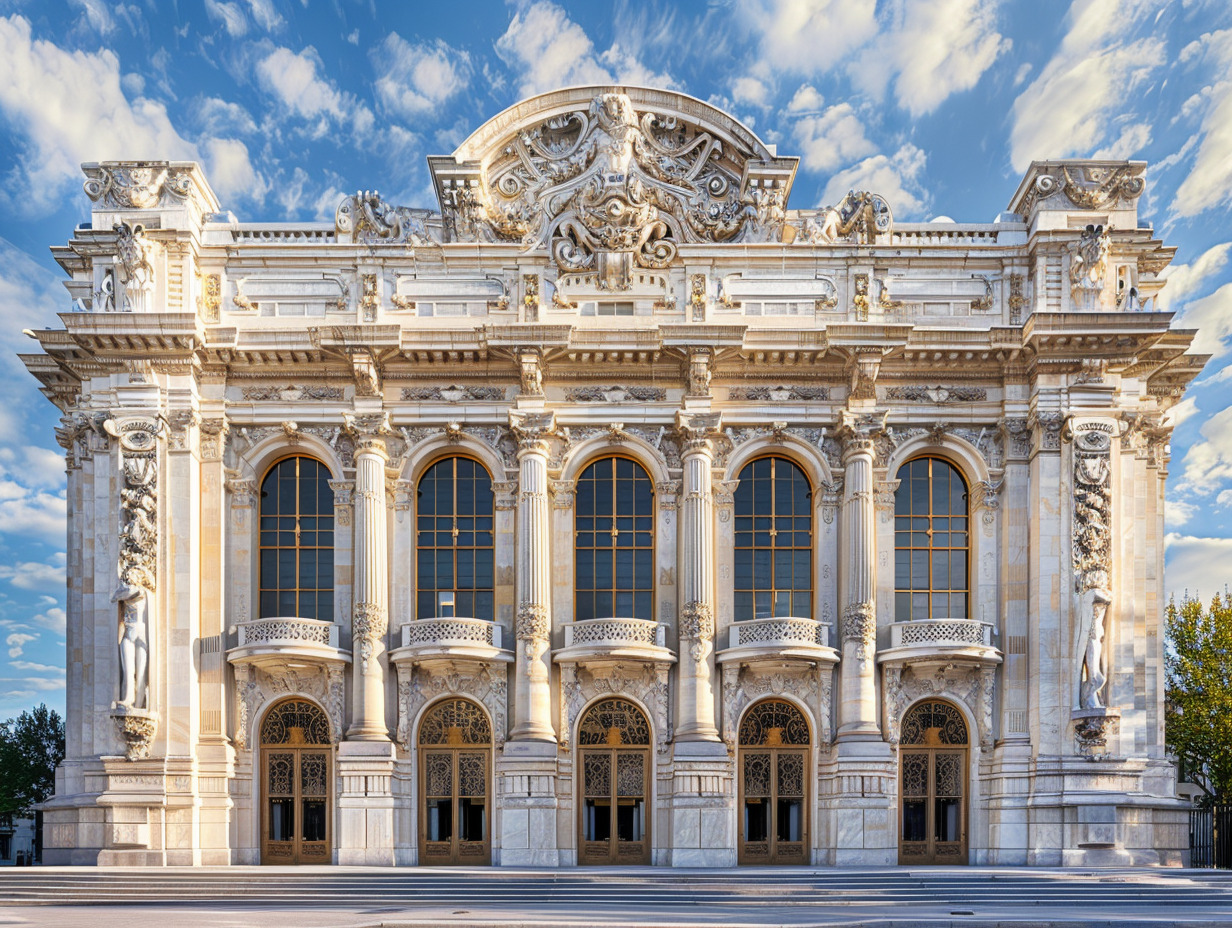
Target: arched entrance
[
  {"x": 296, "y": 764},
  {"x": 455, "y": 757},
  {"x": 774, "y": 800},
  {"x": 933, "y": 785},
  {"x": 614, "y": 762}
]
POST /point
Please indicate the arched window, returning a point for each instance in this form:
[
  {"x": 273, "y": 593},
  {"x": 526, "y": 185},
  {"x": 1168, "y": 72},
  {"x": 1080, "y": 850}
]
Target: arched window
[
  {"x": 774, "y": 541},
  {"x": 455, "y": 567},
  {"x": 297, "y": 540},
  {"x": 931, "y": 542},
  {"x": 614, "y": 541}
]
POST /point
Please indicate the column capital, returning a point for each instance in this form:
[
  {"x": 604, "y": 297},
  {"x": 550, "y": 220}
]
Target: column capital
[
  {"x": 532, "y": 431},
  {"x": 697, "y": 432},
  {"x": 532, "y": 622},
  {"x": 367, "y": 430}
]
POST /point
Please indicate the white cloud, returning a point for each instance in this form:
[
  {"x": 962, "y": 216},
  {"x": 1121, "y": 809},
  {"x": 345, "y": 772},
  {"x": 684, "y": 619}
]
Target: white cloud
[
  {"x": 549, "y": 50},
  {"x": 352, "y": 37},
  {"x": 215, "y": 116},
  {"x": 806, "y": 100},
  {"x": 1133, "y": 138},
  {"x": 95, "y": 13},
  {"x": 1177, "y": 513},
  {"x": 936, "y": 48},
  {"x": 292, "y": 78},
  {"x": 925, "y": 50},
  {"x": 1068, "y": 108},
  {"x": 32, "y": 667},
  {"x": 1184, "y": 280},
  {"x": 264, "y": 14},
  {"x": 231, "y": 171},
  {"x": 1212, "y": 317},
  {"x": 64, "y": 108},
  {"x": 32, "y": 575},
  {"x": 750, "y": 91},
  {"x": 897, "y": 177},
  {"x": 1209, "y": 183},
  {"x": 1194, "y": 565},
  {"x": 1208, "y": 463},
  {"x": 832, "y": 138},
  {"x": 326, "y": 205},
  {"x": 229, "y": 15},
  {"x": 808, "y": 36},
  {"x": 417, "y": 79},
  {"x": 1185, "y": 409},
  {"x": 53, "y": 619},
  {"x": 17, "y": 641}
]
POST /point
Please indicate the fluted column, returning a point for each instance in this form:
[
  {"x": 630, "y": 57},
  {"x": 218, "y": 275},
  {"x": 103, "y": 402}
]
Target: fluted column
[
  {"x": 532, "y": 697},
  {"x": 858, "y": 709},
  {"x": 370, "y": 615},
  {"x": 696, "y": 720}
]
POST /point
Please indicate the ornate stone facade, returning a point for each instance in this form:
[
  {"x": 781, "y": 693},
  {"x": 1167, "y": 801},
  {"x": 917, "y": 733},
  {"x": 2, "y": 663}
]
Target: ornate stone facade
[{"x": 606, "y": 274}]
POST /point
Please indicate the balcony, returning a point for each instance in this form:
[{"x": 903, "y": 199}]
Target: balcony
[
  {"x": 784, "y": 640},
  {"x": 606, "y": 640},
  {"x": 288, "y": 642},
  {"x": 942, "y": 641},
  {"x": 450, "y": 640}
]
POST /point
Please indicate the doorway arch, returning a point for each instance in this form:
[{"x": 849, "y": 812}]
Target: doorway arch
[
  {"x": 614, "y": 765},
  {"x": 773, "y": 763},
  {"x": 932, "y": 762},
  {"x": 455, "y": 763},
  {"x": 296, "y": 784}
]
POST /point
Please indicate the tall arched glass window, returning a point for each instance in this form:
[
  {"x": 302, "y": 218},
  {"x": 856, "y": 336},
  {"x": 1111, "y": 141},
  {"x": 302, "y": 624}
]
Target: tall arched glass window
[
  {"x": 297, "y": 540},
  {"x": 455, "y": 572},
  {"x": 774, "y": 541},
  {"x": 614, "y": 542},
  {"x": 931, "y": 542}
]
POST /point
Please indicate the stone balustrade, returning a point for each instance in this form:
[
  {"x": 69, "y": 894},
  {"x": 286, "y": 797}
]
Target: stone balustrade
[
  {"x": 275, "y": 639},
  {"x": 940, "y": 639},
  {"x": 615, "y": 638},
  {"x": 778, "y": 639},
  {"x": 459, "y": 638}
]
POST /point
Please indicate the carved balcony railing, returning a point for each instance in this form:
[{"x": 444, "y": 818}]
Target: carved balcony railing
[
  {"x": 451, "y": 639},
  {"x": 277, "y": 640},
  {"x": 941, "y": 639},
  {"x": 615, "y": 639},
  {"x": 788, "y": 639}
]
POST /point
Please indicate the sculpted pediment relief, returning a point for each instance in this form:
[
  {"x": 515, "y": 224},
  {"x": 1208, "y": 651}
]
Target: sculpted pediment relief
[{"x": 610, "y": 181}]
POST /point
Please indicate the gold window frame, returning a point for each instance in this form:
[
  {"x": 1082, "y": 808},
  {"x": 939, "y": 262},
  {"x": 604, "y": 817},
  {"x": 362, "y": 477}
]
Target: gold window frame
[
  {"x": 421, "y": 548},
  {"x": 774, "y": 590},
  {"x": 931, "y": 590},
  {"x": 653, "y": 548},
  {"x": 262, "y": 547}
]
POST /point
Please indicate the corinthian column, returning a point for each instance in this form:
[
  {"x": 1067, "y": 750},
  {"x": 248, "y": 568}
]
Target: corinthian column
[
  {"x": 696, "y": 540},
  {"x": 858, "y": 710},
  {"x": 532, "y": 697},
  {"x": 370, "y": 615}
]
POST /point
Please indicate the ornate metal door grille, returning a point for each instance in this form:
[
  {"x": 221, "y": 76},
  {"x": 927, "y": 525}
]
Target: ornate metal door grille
[
  {"x": 455, "y": 750},
  {"x": 614, "y": 764},
  {"x": 933, "y": 786},
  {"x": 296, "y": 762},
  {"x": 774, "y": 797}
]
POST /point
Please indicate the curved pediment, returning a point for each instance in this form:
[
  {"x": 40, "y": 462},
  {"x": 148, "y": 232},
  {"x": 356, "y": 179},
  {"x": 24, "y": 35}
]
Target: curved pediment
[{"x": 612, "y": 178}]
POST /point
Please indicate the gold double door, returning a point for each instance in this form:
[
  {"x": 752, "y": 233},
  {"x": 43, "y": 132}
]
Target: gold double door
[
  {"x": 774, "y": 813},
  {"x": 614, "y": 826},
  {"x": 296, "y": 814},
  {"x": 455, "y": 826},
  {"x": 933, "y": 826}
]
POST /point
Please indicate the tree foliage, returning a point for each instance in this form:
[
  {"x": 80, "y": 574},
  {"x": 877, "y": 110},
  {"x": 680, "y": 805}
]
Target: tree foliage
[
  {"x": 1198, "y": 664},
  {"x": 31, "y": 746}
]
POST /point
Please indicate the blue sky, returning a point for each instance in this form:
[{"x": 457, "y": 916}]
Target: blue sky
[{"x": 939, "y": 105}]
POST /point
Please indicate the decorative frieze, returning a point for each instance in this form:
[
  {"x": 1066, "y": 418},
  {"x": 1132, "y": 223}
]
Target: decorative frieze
[
  {"x": 938, "y": 395},
  {"x": 780, "y": 394},
  {"x": 292, "y": 393},
  {"x": 616, "y": 394},
  {"x": 137, "y": 185},
  {"x": 453, "y": 393}
]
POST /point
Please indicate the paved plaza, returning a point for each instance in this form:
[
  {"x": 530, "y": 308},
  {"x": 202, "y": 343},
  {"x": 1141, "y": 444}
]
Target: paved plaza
[{"x": 346, "y": 897}]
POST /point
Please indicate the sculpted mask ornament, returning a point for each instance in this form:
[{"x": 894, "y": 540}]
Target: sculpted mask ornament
[
  {"x": 136, "y": 186},
  {"x": 607, "y": 188}
]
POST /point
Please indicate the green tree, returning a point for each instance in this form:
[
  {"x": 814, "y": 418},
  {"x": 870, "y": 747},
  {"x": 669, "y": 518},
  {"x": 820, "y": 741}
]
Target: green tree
[
  {"x": 1198, "y": 665},
  {"x": 31, "y": 746}
]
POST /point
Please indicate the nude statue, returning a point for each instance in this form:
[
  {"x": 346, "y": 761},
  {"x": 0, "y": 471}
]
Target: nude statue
[
  {"x": 1093, "y": 657},
  {"x": 133, "y": 595}
]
